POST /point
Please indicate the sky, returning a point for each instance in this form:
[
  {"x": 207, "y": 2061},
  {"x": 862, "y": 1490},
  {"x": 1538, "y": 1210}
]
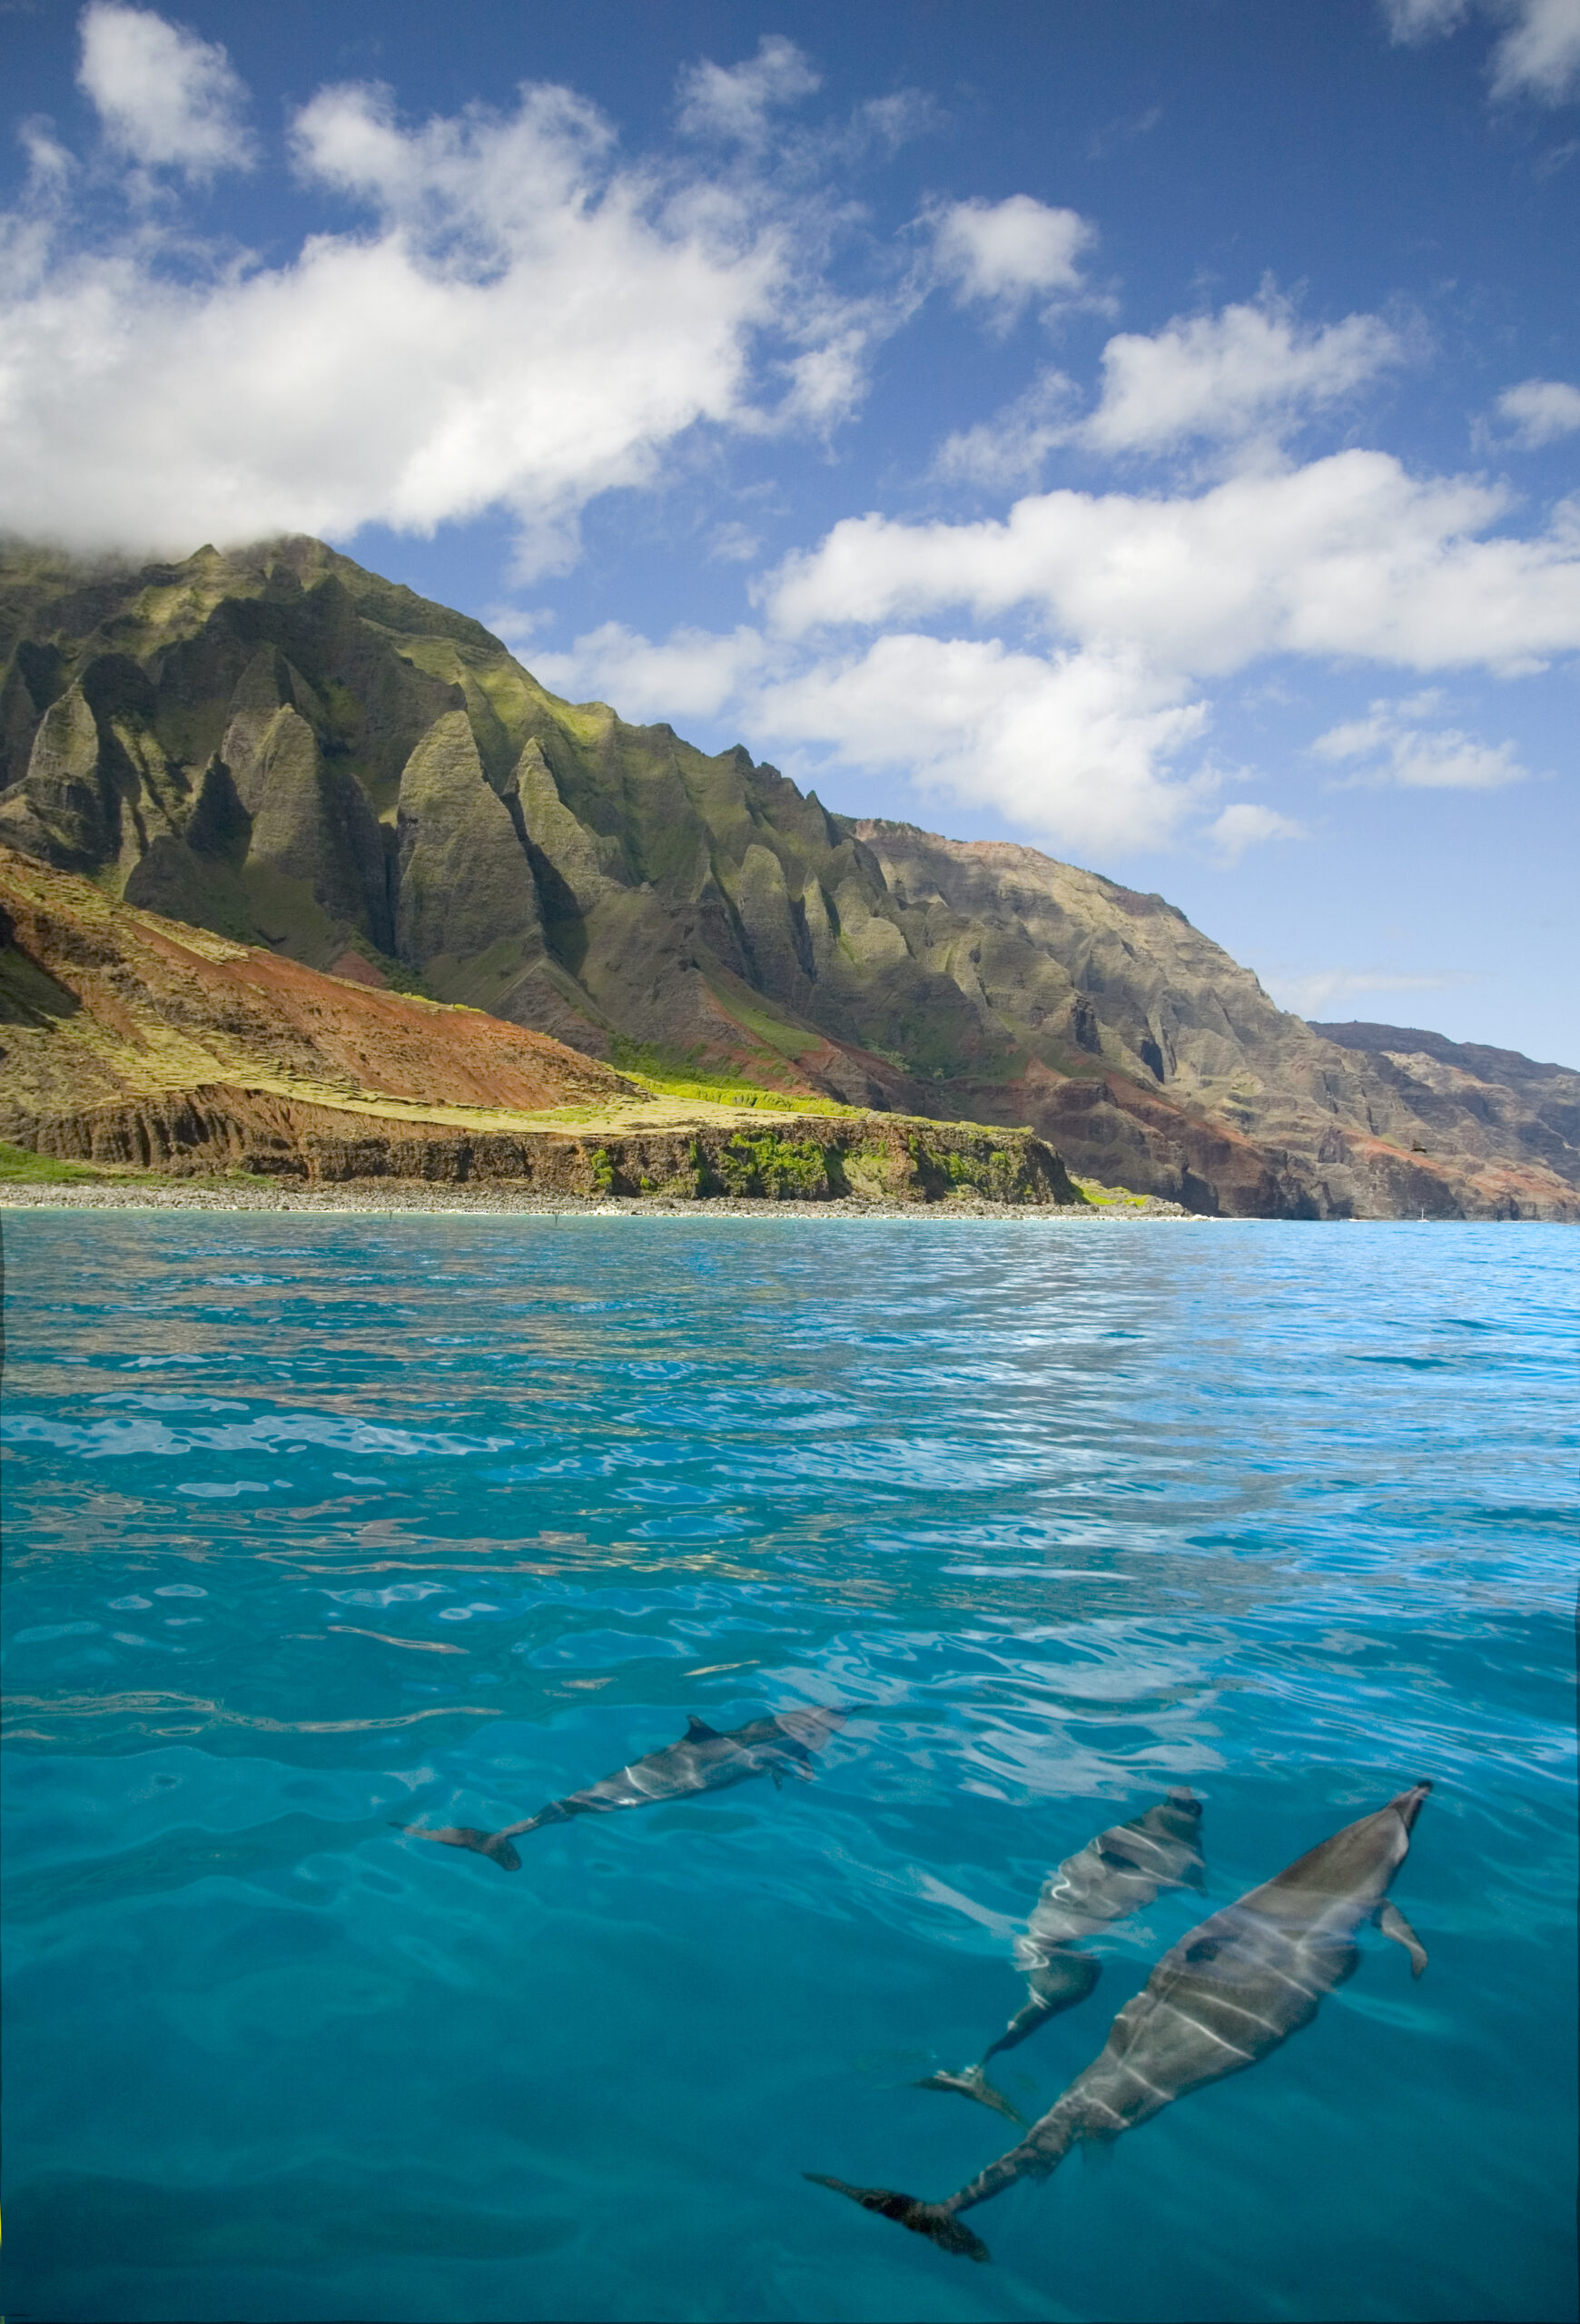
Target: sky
[{"x": 1146, "y": 430}]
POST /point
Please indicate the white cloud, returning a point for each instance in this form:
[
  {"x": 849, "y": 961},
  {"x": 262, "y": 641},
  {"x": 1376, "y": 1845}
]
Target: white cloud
[
  {"x": 733, "y": 102},
  {"x": 520, "y": 625},
  {"x": 1347, "y": 555},
  {"x": 1089, "y": 740},
  {"x": 50, "y": 167},
  {"x": 693, "y": 674},
  {"x": 1143, "y": 598},
  {"x": 1077, "y": 746},
  {"x": 1249, "y": 824},
  {"x": 1537, "y": 57},
  {"x": 1009, "y": 448},
  {"x": 1243, "y": 377},
  {"x": 1542, "y": 410},
  {"x": 1415, "y": 20},
  {"x": 526, "y": 325},
  {"x": 826, "y": 381},
  {"x": 734, "y": 542},
  {"x": 1390, "y": 745},
  {"x": 1004, "y": 254},
  {"x": 471, "y": 187},
  {"x": 165, "y": 98},
  {"x": 1248, "y": 371}
]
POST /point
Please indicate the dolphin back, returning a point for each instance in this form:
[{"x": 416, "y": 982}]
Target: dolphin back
[
  {"x": 1348, "y": 1874},
  {"x": 1119, "y": 1872}
]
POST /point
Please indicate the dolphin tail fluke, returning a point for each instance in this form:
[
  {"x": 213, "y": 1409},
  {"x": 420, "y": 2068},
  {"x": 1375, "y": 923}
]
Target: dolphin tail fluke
[
  {"x": 974, "y": 2083},
  {"x": 495, "y": 1846},
  {"x": 934, "y": 2221}
]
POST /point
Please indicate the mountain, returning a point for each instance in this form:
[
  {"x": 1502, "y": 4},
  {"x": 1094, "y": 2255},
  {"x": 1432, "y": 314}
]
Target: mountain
[
  {"x": 286, "y": 750},
  {"x": 129, "y": 1039}
]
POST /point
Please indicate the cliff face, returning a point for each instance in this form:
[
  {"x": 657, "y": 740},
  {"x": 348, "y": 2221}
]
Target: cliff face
[
  {"x": 1173, "y": 1071},
  {"x": 127, "y": 1039},
  {"x": 288, "y": 751},
  {"x": 104, "y": 1005}
]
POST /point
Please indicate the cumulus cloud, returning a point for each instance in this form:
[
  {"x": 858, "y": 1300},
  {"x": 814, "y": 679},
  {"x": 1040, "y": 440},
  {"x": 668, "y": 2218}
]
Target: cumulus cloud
[
  {"x": 470, "y": 187},
  {"x": 1415, "y": 20},
  {"x": 1244, "y": 376},
  {"x": 1248, "y": 370},
  {"x": 1009, "y": 448},
  {"x": 1541, "y": 410},
  {"x": 1077, "y": 746},
  {"x": 1389, "y": 744},
  {"x": 166, "y": 98},
  {"x": 1347, "y": 555},
  {"x": 1537, "y": 57},
  {"x": 1004, "y": 254},
  {"x": 733, "y": 102},
  {"x": 1248, "y": 825},
  {"x": 1144, "y": 600},
  {"x": 694, "y": 674},
  {"x": 1093, "y": 738},
  {"x": 732, "y": 543},
  {"x": 524, "y": 323}
]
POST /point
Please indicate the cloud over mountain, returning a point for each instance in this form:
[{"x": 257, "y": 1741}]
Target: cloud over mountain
[{"x": 512, "y": 315}]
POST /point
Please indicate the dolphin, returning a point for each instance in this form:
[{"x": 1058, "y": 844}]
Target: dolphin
[
  {"x": 703, "y": 1760},
  {"x": 1232, "y": 1989},
  {"x": 1119, "y": 1872}
]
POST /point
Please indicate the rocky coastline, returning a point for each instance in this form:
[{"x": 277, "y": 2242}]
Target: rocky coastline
[{"x": 377, "y": 1196}]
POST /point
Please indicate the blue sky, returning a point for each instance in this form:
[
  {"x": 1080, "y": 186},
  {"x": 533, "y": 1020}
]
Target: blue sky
[{"x": 1147, "y": 428}]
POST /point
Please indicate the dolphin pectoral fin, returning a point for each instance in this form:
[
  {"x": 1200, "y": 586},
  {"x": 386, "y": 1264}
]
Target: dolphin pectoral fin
[
  {"x": 974, "y": 2083},
  {"x": 1392, "y": 1923},
  {"x": 778, "y": 1773},
  {"x": 495, "y": 1846},
  {"x": 935, "y": 2220}
]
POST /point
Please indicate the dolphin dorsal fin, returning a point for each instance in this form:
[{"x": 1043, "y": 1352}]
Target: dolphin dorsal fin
[{"x": 697, "y": 1730}]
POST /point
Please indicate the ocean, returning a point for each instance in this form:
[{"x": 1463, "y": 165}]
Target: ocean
[{"x": 319, "y": 1526}]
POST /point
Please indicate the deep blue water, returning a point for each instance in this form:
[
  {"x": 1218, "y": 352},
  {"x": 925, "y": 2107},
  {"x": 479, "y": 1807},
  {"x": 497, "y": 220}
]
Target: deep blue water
[{"x": 314, "y": 1522}]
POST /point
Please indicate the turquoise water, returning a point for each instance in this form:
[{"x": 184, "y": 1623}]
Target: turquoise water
[{"x": 314, "y": 1522}]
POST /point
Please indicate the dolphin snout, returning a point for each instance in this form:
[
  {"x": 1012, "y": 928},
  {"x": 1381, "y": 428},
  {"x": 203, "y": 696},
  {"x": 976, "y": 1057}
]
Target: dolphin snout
[{"x": 1410, "y": 1803}]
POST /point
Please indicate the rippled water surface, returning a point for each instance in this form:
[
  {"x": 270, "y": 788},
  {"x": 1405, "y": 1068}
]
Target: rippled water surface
[{"x": 312, "y": 1523}]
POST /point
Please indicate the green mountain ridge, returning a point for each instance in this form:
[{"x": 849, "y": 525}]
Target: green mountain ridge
[{"x": 278, "y": 745}]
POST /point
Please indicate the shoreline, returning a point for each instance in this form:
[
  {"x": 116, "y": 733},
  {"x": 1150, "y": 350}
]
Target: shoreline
[{"x": 406, "y": 1198}]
